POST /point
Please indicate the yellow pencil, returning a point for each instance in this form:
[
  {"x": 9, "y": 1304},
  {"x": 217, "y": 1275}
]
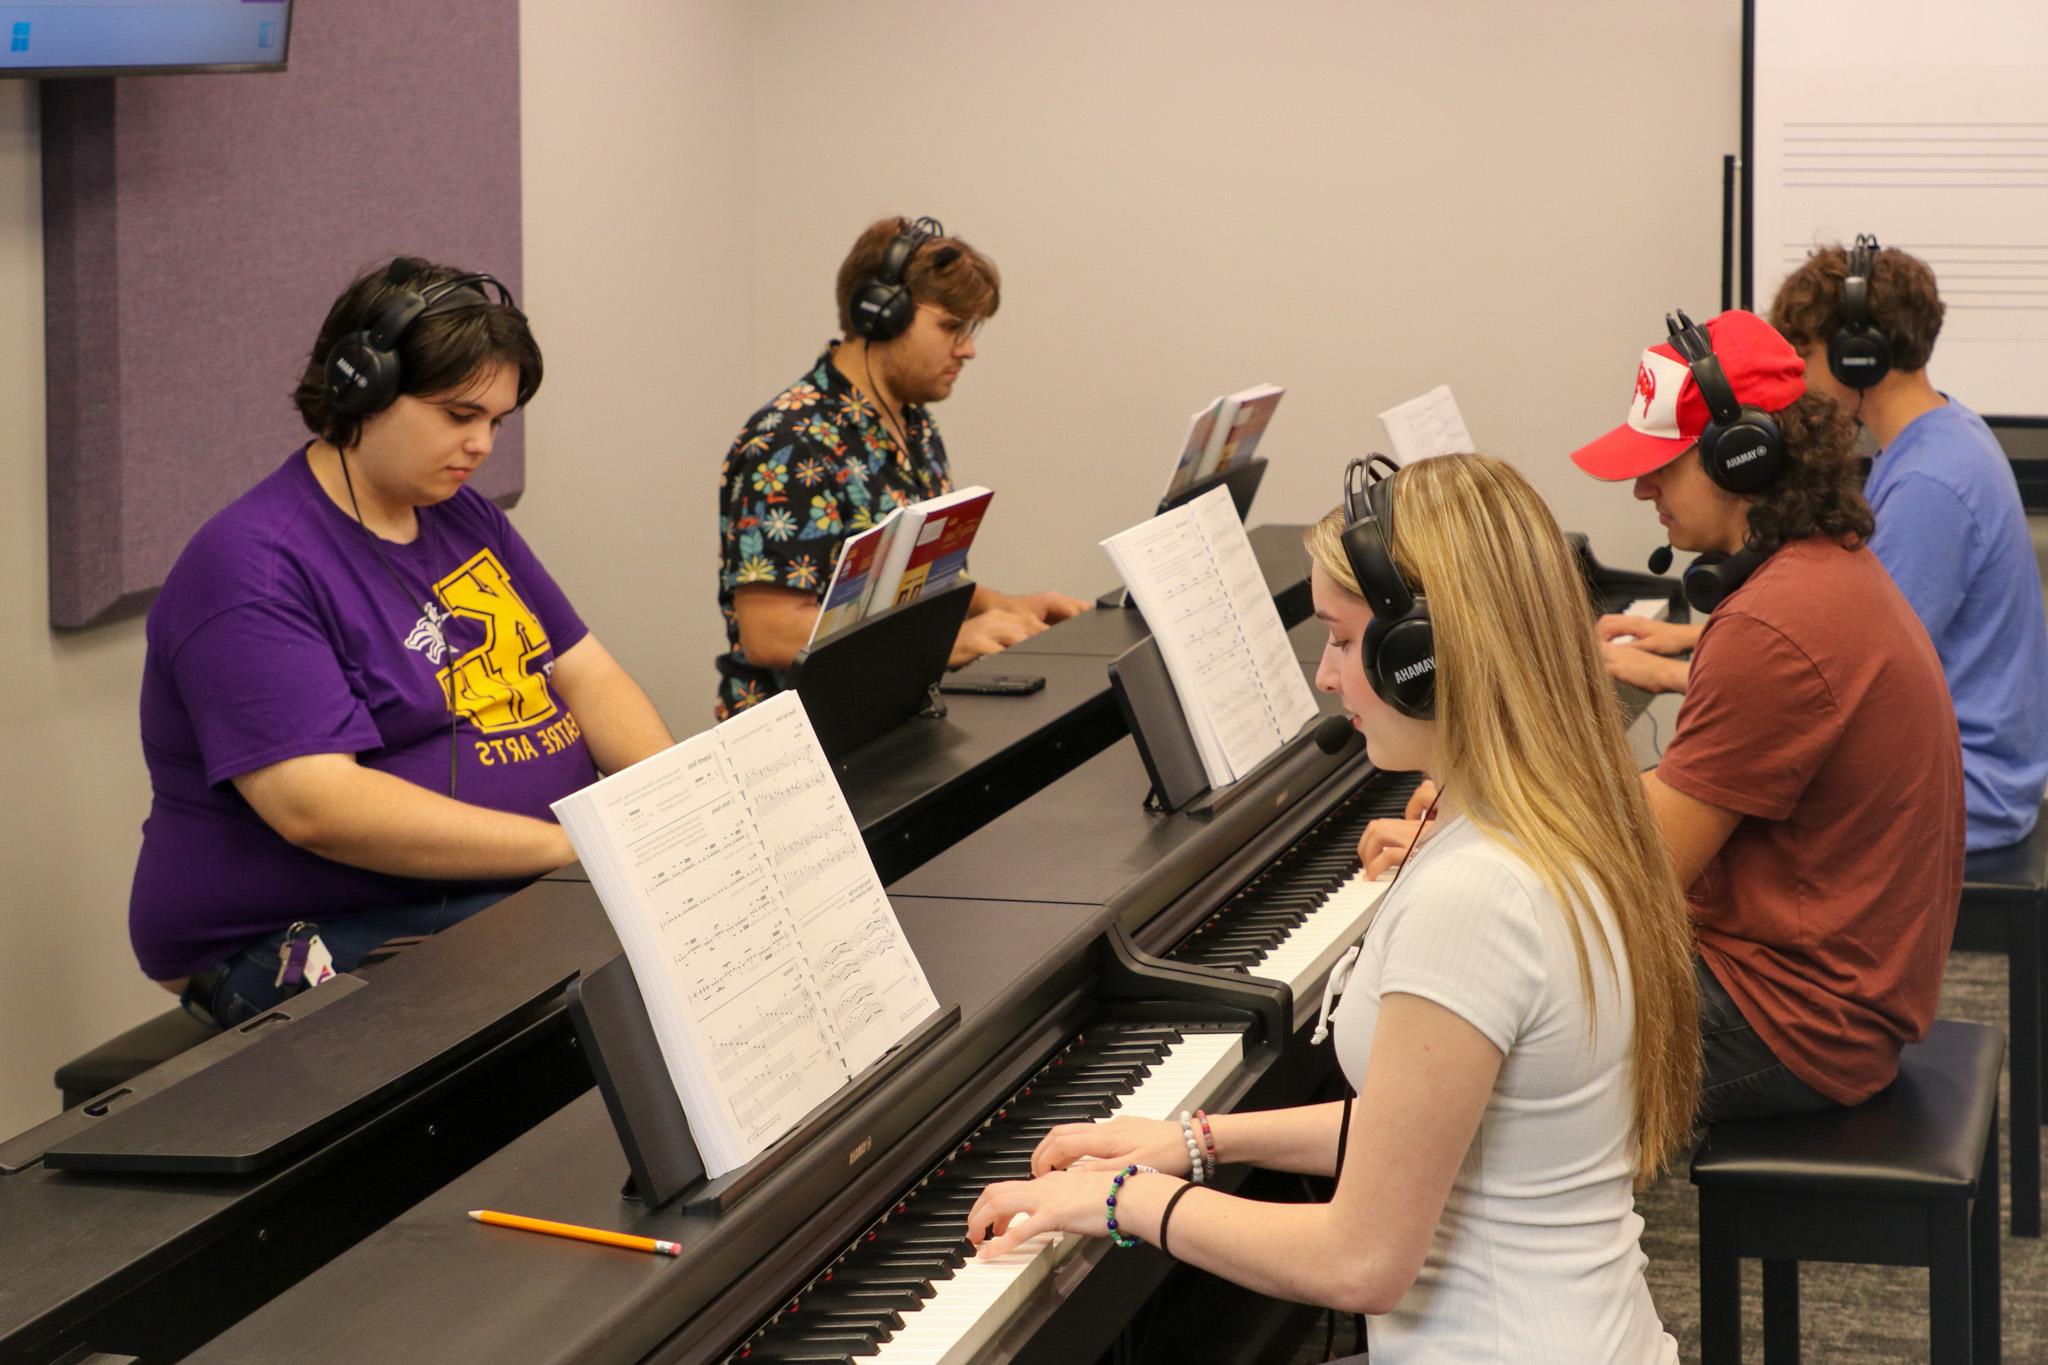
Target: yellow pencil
[{"x": 598, "y": 1235}]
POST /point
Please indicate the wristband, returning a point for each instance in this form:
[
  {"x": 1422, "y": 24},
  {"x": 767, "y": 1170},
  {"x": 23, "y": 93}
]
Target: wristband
[
  {"x": 1167, "y": 1216},
  {"x": 1115, "y": 1186}
]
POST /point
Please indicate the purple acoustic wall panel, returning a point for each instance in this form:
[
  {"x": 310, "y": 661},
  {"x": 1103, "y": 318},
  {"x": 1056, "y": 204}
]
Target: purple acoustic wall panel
[{"x": 196, "y": 228}]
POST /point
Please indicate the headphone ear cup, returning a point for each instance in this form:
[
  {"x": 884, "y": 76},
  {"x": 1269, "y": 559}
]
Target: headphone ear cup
[
  {"x": 361, "y": 378},
  {"x": 881, "y": 312},
  {"x": 1859, "y": 359},
  {"x": 1400, "y": 661},
  {"x": 1747, "y": 456}
]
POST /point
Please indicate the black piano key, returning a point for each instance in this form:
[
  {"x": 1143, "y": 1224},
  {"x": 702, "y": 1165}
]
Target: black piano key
[
  {"x": 853, "y": 1274},
  {"x": 882, "y": 1298},
  {"x": 811, "y": 1348},
  {"x": 886, "y": 1320}
]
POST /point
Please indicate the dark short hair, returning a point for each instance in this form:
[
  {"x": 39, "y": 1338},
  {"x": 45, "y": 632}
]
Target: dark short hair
[
  {"x": 1904, "y": 303},
  {"x": 945, "y": 272},
  {"x": 1821, "y": 490},
  {"x": 439, "y": 353}
]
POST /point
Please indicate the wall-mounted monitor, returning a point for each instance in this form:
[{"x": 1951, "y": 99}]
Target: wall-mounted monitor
[{"x": 142, "y": 37}]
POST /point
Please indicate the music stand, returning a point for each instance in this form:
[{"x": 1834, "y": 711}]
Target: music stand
[{"x": 862, "y": 682}]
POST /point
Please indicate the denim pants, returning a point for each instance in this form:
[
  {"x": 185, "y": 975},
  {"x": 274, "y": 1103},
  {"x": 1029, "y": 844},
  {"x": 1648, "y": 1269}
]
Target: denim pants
[
  {"x": 250, "y": 986},
  {"x": 1740, "y": 1077}
]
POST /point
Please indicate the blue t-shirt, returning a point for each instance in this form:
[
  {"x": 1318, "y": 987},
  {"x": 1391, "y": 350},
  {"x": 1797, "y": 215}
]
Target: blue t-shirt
[
  {"x": 278, "y": 634},
  {"x": 1952, "y": 533}
]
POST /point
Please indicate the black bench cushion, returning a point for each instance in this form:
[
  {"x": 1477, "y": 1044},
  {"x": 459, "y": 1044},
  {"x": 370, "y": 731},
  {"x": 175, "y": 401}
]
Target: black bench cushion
[
  {"x": 127, "y": 1056},
  {"x": 1923, "y": 1138},
  {"x": 1994, "y": 877}
]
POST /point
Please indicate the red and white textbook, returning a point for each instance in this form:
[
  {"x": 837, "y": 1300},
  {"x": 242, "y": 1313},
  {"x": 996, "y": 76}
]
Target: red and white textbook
[{"x": 928, "y": 549}]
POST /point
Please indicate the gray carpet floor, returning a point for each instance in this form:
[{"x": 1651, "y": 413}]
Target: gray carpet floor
[{"x": 1847, "y": 1313}]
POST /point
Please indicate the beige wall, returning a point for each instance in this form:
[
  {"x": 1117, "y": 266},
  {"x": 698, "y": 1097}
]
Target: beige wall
[
  {"x": 1356, "y": 200},
  {"x": 72, "y": 763}
]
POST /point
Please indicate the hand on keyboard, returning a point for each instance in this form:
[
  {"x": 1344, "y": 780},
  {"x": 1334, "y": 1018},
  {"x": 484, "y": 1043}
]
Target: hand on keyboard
[
  {"x": 1386, "y": 844},
  {"x": 1013, "y": 1212},
  {"x": 1113, "y": 1142},
  {"x": 1657, "y": 637}
]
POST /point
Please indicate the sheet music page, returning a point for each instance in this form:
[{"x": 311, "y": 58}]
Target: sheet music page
[
  {"x": 771, "y": 964},
  {"x": 1189, "y": 612},
  {"x": 1193, "y": 574},
  {"x": 1926, "y": 125},
  {"x": 861, "y": 963},
  {"x": 1426, "y": 426},
  {"x": 1290, "y": 703}
]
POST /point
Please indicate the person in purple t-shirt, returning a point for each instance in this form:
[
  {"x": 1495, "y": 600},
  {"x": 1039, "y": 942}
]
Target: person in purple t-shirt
[{"x": 361, "y": 690}]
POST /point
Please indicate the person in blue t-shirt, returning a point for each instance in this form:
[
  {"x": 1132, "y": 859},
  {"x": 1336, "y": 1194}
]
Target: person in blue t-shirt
[{"x": 1950, "y": 527}]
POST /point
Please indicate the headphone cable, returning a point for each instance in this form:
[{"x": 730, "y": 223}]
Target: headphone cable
[
  {"x": 897, "y": 430},
  {"x": 406, "y": 593}
]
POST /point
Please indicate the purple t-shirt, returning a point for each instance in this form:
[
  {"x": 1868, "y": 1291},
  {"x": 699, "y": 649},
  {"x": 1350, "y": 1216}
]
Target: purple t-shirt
[{"x": 278, "y": 634}]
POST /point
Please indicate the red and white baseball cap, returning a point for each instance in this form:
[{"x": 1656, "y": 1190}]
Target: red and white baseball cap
[{"x": 1666, "y": 414}]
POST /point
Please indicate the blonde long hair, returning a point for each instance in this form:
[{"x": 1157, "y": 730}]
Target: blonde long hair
[{"x": 1530, "y": 740}]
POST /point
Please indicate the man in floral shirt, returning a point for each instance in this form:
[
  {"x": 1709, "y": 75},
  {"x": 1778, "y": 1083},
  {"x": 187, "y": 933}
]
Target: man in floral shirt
[{"x": 837, "y": 451}]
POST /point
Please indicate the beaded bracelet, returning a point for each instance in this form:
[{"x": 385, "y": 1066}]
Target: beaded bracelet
[
  {"x": 1208, "y": 1143},
  {"x": 1187, "y": 1133},
  {"x": 1114, "y": 1186}
]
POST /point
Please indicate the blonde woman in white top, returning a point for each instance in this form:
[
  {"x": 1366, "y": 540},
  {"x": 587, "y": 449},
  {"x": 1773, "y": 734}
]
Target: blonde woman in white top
[{"x": 1519, "y": 1019}]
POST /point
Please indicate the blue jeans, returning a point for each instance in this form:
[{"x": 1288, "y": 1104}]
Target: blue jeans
[
  {"x": 1740, "y": 1077},
  {"x": 248, "y": 983}
]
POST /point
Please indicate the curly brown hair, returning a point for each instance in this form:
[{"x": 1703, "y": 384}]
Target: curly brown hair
[
  {"x": 1904, "y": 303},
  {"x": 1821, "y": 491}
]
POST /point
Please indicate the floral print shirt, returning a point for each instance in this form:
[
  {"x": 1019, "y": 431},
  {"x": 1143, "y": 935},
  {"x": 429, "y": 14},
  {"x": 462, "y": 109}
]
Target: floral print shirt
[{"x": 815, "y": 466}]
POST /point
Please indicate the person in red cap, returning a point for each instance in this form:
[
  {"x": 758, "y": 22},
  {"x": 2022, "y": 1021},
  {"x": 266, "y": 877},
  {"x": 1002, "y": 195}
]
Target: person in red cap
[{"x": 1812, "y": 793}]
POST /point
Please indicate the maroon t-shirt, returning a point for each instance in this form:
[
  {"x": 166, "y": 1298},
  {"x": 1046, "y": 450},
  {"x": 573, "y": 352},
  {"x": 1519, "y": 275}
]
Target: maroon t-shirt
[{"x": 1817, "y": 710}]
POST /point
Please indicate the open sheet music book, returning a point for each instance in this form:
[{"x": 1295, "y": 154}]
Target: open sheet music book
[
  {"x": 773, "y": 967},
  {"x": 1194, "y": 576}
]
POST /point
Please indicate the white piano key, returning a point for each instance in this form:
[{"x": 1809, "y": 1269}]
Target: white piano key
[
  {"x": 1304, "y": 958},
  {"x": 965, "y": 1312}
]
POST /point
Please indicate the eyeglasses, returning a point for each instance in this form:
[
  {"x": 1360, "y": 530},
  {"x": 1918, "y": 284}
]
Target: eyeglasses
[{"x": 960, "y": 331}]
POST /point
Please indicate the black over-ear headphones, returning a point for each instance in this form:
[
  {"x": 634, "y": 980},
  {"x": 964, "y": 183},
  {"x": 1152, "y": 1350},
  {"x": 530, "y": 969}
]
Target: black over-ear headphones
[
  {"x": 363, "y": 372},
  {"x": 1740, "y": 447},
  {"x": 1399, "y": 649},
  {"x": 1859, "y": 352},
  {"x": 882, "y": 306},
  {"x": 1714, "y": 575}
]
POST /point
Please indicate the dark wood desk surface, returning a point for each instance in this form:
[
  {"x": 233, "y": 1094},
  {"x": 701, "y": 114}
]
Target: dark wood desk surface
[{"x": 433, "y": 1285}]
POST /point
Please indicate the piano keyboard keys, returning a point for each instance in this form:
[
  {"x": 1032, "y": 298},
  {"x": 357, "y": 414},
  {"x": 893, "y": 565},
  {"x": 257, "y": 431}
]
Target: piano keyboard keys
[
  {"x": 939, "y": 1303},
  {"x": 1296, "y": 919}
]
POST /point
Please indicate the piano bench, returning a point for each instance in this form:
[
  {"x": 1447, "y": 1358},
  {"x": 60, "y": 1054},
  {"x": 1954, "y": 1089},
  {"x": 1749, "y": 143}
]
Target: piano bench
[
  {"x": 1910, "y": 1177},
  {"x": 122, "y": 1058},
  {"x": 2005, "y": 909}
]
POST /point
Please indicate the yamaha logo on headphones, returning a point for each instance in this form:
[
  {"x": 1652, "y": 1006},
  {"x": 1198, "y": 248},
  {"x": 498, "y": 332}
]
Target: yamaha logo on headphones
[
  {"x": 354, "y": 377},
  {"x": 1859, "y": 361},
  {"x": 1746, "y": 456},
  {"x": 1413, "y": 671}
]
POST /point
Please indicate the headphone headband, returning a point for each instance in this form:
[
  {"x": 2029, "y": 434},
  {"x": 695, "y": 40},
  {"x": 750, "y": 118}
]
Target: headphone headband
[
  {"x": 1398, "y": 651},
  {"x": 1740, "y": 447},
  {"x": 882, "y": 304},
  {"x": 362, "y": 369},
  {"x": 1859, "y": 351}
]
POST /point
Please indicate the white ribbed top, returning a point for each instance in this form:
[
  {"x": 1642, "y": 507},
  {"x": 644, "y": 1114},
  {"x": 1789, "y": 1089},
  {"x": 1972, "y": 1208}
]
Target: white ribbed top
[{"x": 1538, "y": 1256}]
